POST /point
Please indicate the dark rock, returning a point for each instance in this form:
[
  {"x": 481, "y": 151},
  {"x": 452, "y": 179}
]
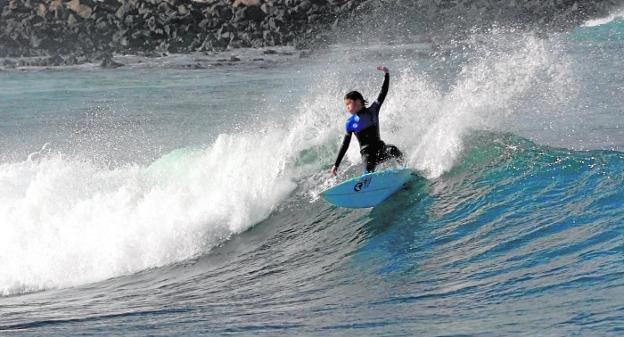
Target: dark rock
[
  {"x": 275, "y": 24},
  {"x": 251, "y": 13},
  {"x": 35, "y": 41},
  {"x": 282, "y": 15},
  {"x": 107, "y": 62},
  {"x": 267, "y": 8},
  {"x": 55, "y": 60},
  {"x": 314, "y": 18},
  {"x": 305, "y": 6},
  {"x": 8, "y": 63},
  {"x": 222, "y": 12},
  {"x": 72, "y": 28},
  {"x": 218, "y": 44},
  {"x": 108, "y": 5}
]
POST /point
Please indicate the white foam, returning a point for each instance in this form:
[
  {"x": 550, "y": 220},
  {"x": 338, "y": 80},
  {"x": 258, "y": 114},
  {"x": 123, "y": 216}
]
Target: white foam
[
  {"x": 66, "y": 222},
  {"x": 430, "y": 123},
  {"x": 605, "y": 20}
]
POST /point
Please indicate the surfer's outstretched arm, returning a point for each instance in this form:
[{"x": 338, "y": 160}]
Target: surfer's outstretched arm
[
  {"x": 385, "y": 86},
  {"x": 343, "y": 149}
]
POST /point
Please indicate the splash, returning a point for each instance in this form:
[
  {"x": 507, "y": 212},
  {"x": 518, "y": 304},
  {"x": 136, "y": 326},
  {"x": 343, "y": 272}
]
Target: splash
[
  {"x": 617, "y": 14},
  {"x": 431, "y": 122},
  {"x": 67, "y": 222}
]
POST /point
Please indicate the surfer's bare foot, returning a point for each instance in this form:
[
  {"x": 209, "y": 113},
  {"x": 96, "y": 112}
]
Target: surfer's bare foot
[
  {"x": 333, "y": 171},
  {"x": 383, "y": 68}
]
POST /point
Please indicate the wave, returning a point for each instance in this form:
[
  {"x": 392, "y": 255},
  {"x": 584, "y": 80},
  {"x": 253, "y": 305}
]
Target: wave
[
  {"x": 615, "y": 16},
  {"x": 609, "y": 28},
  {"x": 512, "y": 224},
  {"x": 68, "y": 220}
]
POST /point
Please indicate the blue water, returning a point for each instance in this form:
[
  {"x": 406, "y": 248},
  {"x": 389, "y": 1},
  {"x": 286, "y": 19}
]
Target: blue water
[{"x": 163, "y": 201}]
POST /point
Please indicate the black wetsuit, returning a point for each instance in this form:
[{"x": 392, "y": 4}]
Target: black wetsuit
[{"x": 365, "y": 125}]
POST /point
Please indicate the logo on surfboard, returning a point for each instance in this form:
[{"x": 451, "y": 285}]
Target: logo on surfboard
[{"x": 363, "y": 183}]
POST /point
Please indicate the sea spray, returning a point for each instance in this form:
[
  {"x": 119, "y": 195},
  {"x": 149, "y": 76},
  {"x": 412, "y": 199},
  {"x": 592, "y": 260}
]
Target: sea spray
[
  {"x": 430, "y": 122},
  {"x": 68, "y": 221}
]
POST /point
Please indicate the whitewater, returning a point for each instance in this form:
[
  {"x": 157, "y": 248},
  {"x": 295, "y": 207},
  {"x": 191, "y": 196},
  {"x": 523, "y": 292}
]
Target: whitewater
[{"x": 160, "y": 200}]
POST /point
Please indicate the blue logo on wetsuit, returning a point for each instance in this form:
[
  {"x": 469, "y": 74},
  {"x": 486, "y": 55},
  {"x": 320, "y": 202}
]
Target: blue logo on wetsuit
[{"x": 357, "y": 123}]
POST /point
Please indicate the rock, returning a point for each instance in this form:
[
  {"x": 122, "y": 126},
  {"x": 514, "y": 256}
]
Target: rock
[
  {"x": 40, "y": 28},
  {"x": 252, "y": 13},
  {"x": 101, "y": 25},
  {"x": 314, "y": 18},
  {"x": 108, "y": 63},
  {"x": 282, "y": 15},
  {"x": 151, "y": 23},
  {"x": 271, "y": 38},
  {"x": 8, "y": 63},
  {"x": 275, "y": 24},
  {"x": 266, "y": 8},
  {"x": 305, "y": 5},
  {"x": 79, "y": 8},
  {"x": 71, "y": 60},
  {"x": 42, "y": 10},
  {"x": 183, "y": 10},
  {"x": 218, "y": 44},
  {"x": 122, "y": 10},
  {"x": 55, "y": 5},
  {"x": 55, "y": 60},
  {"x": 71, "y": 20},
  {"x": 109, "y": 5},
  {"x": 238, "y": 3}
]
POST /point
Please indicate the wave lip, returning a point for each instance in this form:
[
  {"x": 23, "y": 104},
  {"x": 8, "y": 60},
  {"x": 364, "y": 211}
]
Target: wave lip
[
  {"x": 604, "y": 20},
  {"x": 67, "y": 222}
]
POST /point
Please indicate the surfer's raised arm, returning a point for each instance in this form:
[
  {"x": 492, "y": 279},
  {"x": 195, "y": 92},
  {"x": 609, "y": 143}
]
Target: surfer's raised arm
[{"x": 385, "y": 86}]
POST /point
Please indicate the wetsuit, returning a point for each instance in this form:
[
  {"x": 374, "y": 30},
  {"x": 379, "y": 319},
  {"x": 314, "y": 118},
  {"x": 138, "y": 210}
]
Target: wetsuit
[{"x": 365, "y": 125}]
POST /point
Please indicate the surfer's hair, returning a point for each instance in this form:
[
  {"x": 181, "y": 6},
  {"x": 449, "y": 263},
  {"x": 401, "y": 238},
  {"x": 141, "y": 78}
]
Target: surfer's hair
[{"x": 355, "y": 95}]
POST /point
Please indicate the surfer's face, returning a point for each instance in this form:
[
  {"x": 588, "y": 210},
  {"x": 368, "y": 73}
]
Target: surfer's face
[{"x": 353, "y": 106}]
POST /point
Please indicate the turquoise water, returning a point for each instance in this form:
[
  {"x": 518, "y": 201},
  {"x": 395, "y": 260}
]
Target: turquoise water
[{"x": 152, "y": 200}]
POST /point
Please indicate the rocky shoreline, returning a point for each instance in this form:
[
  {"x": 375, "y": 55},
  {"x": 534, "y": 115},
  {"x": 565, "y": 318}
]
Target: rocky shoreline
[
  {"x": 78, "y": 31},
  {"x": 61, "y": 32}
]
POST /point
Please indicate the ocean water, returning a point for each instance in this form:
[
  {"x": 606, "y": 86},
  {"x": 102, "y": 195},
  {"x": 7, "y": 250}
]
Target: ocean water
[{"x": 162, "y": 200}]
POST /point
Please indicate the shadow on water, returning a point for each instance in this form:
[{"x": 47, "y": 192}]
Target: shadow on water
[
  {"x": 395, "y": 228},
  {"x": 404, "y": 204}
]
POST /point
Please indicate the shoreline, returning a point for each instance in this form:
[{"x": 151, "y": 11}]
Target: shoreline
[
  {"x": 58, "y": 32},
  {"x": 52, "y": 33},
  {"x": 260, "y": 57}
]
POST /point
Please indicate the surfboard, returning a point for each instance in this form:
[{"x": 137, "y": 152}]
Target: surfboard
[{"x": 368, "y": 190}]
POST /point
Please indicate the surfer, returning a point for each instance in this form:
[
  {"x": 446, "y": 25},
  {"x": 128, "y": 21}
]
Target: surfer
[{"x": 364, "y": 122}]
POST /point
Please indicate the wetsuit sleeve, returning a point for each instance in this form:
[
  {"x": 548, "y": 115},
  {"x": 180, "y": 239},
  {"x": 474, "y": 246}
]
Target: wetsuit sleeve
[
  {"x": 343, "y": 148},
  {"x": 384, "y": 89}
]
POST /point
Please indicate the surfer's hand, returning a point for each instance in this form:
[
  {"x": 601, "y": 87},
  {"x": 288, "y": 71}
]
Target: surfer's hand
[
  {"x": 333, "y": 171},
  {"x": 383, "y": 68}
]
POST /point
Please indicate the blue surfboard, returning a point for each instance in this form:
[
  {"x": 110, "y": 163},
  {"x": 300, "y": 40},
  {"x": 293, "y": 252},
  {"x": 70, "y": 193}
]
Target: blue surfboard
[{"x": 368, "y": 190}]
